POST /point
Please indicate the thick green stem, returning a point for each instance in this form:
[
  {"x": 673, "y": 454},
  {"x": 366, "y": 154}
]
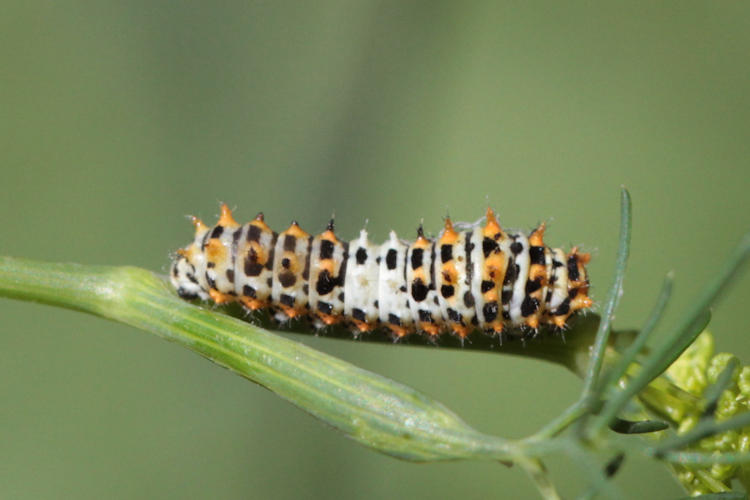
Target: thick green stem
[{"x": 368, "y": 408}]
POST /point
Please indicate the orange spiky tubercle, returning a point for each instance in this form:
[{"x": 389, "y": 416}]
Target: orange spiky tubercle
[
  {"x": 226, "y": 219},
  {"x": 493, "y": 273},
  {"x": 449, "y": 276},
  {"x": 420, "y": 280},
  {"x": 537, "y": 281}
]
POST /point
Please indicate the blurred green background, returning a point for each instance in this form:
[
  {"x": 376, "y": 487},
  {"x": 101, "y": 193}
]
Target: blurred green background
[{"x": 119, "y": 118}]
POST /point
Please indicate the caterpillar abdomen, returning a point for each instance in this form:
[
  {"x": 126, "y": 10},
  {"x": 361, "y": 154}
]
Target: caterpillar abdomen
[{"x": 478, "y": 278}]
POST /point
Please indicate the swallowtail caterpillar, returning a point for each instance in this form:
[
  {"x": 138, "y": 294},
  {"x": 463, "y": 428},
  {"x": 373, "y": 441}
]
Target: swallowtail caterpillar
[{"x": 476, "y": 278}]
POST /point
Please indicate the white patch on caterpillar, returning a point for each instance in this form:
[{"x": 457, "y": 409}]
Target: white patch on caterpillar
[
  {"x": 392, "y": 297},
  {"x": 362, "y": 277}
]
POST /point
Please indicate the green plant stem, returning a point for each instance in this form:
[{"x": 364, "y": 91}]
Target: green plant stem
[
  {"x": 561, "y": 422},
  {"x": 538, "y": 474},
  {"x": 702, "y": 458},
  {"x": 591, "y": 381},
  {"x": 371, "y": 409},
  {"x": 598, "y": 480},
  {"x": 593, "y": 364},
  {"x": 628, "y": 356}
]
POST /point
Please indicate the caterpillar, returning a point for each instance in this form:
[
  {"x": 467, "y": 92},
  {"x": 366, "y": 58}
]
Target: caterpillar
[{"x": 477, "y": 278}]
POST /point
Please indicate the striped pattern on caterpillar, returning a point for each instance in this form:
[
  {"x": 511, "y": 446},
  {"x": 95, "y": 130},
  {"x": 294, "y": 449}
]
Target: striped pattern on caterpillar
[{"x": 480, "y": 278}]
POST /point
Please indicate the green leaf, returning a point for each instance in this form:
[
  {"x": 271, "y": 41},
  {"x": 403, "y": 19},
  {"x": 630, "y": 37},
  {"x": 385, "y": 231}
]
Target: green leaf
[{"x": 640, "y": 427}]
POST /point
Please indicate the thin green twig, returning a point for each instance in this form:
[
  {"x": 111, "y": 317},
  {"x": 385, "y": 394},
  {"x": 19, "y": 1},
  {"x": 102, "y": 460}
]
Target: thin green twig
[
  {"x": 584, "y": 404},
  {"x": 628, "y": 356},
  {"x": 539, "y": 475},
  {"x": 591, "y": 381},
  {"x": 703, "y": 458}
]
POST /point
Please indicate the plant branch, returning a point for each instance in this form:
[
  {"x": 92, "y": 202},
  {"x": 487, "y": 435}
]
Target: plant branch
[{"x": 373, "y": 410}]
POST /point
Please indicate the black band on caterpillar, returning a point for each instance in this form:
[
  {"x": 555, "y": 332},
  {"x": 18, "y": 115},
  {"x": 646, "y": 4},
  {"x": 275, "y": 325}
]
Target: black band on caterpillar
[{"x": 477, "y": 278}]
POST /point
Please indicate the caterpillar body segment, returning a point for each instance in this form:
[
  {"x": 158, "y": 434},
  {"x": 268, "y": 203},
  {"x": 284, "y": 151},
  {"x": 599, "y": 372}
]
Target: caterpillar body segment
[
  {"x": 291, "y": 271},
  {"x": 421, "y": 283},
  {"x": 255, "y": 252},
  {"x": 361, "y": 290},
  {"x": 477, "y": 278},
  {"x": 328, "y": 263},
  {"x": 393, "y": 297}
]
